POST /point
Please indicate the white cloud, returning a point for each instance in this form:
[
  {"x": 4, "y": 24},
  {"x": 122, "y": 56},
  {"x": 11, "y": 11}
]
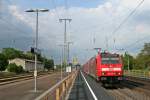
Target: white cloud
[{"x": 87, "y": 23}]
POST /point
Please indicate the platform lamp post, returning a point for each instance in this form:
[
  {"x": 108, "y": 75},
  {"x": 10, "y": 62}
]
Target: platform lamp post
[{"x": 36, "y": 43}]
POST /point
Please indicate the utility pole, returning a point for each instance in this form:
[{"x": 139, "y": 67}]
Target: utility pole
[
  {"x": 61, "y": 59},
  {"x": 13, "y": 44},
  {"x": 69, "y": 51},
  {"x": 98, "y": 50},
  {"x": 94, "y": 39},
  {"x": 61, "y": 62},
  {"x": 128, "y": 61},
  {"x": 114, "y": 44},
  {"x": 65, "y": 38},
  {"x": 106, "y": 43}
]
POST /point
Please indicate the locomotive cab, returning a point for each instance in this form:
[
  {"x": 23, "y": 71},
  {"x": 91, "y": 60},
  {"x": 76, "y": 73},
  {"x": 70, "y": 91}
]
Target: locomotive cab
[
  {"x": 105, "y": 67},
  {"x": 109, "y": 68}
]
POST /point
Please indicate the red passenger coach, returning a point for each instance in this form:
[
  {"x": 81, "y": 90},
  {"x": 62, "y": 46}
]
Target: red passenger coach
[{"x": 105, "y": 67}]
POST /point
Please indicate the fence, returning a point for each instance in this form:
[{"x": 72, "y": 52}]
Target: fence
[
  {"x": 138, "y": 73},
  {"x": 60, "y": 90}
]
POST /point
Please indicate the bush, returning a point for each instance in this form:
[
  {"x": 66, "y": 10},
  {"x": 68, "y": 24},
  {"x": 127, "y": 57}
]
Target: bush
[
  {"x": 48, "y": 64},
  {"x": 20, "y": 69},
  {"x": 3, "y": 62},
  {"x": 14, "y": 68}
]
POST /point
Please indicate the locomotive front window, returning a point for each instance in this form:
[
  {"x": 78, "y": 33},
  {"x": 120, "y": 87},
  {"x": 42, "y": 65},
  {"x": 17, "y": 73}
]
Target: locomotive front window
[{"x": 110, "y": 60}]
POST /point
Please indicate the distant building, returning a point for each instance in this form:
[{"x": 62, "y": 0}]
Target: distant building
[
  {"x": 28, "y": 65},
  {"x": 75, "y": 61}
]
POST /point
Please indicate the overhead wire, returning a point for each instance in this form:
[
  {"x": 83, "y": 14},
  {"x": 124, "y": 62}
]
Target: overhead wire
[
  {"x": 136, "y": 42},
  {"x": 128, "y": 47},
  {"x": 125, "y": 20}
]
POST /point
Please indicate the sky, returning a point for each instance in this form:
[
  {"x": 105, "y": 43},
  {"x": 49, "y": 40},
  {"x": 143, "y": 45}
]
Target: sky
[{"x": 92, "y": 25}]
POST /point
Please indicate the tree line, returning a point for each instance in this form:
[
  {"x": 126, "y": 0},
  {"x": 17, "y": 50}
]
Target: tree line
[
  {"x": 11, "y": 53},
  {"x": 141, "y": 61}
]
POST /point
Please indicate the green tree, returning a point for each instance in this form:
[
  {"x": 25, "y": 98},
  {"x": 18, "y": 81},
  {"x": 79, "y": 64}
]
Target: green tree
[
  {"x": 11, "y": 53},
  {"x": 131, "y": 59},
  {"x": 19, "y": 69},
  {"x": 29, "y": 55},
  {"x": 143, "y": 58},
  {"x": 48, "y": 64},
  {"x": 58, "y": 66},
  {"x": 40, "y": 58},
  {"x": 52, "y": 63},
  {"x": 14, "y": 68},
  {"x": 3, "y": 62}
]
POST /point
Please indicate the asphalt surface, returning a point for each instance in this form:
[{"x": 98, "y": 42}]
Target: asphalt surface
[
  {"x": 24, "y": 90},
  {"x": 80, "y": 90}
]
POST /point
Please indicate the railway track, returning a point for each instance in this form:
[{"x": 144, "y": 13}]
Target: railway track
[
  {"x": 18, "y": 78},
  {"x": 129, "y": 90}
]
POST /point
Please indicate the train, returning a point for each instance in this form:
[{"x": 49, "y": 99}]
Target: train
[{"x": 105, "y": 67}]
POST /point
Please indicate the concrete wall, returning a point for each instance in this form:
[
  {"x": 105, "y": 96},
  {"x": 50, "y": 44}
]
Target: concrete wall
[
  {"x": 18, "y": 62},
  {"x": 28, "y": 65}
]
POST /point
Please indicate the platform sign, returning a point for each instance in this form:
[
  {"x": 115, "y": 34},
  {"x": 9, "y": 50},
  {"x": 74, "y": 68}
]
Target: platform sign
[
  {"x": 55, "y": 67},
  {"x": 68, "y": 69},
  {"x": 35, "y": 73}
]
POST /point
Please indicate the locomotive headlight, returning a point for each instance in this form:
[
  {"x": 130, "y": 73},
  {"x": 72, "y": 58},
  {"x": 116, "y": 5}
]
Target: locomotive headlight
[{"x": 103, "y": 73}]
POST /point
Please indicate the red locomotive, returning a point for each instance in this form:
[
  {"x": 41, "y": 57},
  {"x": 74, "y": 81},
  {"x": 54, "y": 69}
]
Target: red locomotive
[{"x": 105, "y": 67}]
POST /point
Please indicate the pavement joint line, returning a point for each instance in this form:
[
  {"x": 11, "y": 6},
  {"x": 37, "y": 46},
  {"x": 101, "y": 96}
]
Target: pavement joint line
[{"x": 94, "y": 96}]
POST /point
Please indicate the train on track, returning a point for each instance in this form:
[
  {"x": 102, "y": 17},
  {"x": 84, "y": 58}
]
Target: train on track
[{"x": 105, "y": 67}]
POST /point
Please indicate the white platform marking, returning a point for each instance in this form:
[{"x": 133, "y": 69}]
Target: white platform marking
[{"x": 94, "y": 96}]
